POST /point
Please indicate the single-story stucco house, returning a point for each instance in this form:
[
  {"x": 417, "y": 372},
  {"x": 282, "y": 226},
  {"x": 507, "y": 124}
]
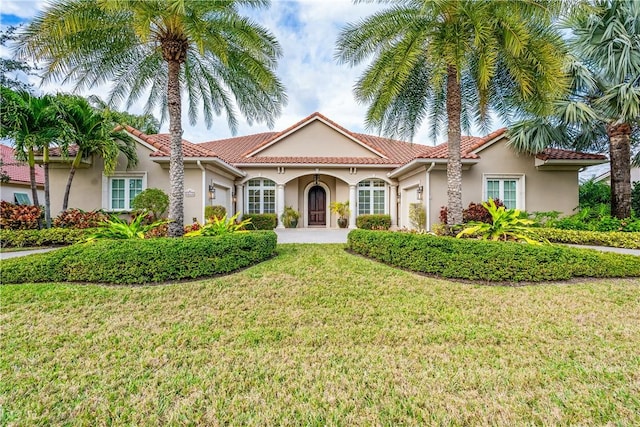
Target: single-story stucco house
[
  {"x": 17, "y": 189},
  {"x": 316, "y": 161}
]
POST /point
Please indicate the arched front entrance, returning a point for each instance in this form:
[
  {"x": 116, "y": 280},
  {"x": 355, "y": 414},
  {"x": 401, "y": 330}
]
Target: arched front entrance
[{"x": 317, "y": 206}]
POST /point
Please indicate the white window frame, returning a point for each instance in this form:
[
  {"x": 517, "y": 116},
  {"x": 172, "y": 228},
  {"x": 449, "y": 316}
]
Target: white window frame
[
  {"x": 370, "y": 188},
  {"x": 261, "y": 188},
  {"x": 106, "y": 189},
  {"x": 520, "y": 187}
]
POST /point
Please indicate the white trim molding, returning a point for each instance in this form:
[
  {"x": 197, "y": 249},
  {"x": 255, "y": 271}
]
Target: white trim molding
[{"x": 520, "y": 186}]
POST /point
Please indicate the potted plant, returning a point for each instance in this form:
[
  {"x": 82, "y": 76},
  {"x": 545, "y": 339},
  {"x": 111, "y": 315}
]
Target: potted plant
[
  {"x": 290, "y": 217},
  {"x": 343, "y": 211}
]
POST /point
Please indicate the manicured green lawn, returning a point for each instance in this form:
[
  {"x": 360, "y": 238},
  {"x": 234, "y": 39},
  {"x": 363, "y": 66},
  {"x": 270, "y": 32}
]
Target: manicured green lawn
[{"x": 317, "y": 336}]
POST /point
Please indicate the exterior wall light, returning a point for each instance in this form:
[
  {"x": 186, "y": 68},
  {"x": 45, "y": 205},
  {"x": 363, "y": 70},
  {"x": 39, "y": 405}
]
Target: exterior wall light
[{"x": 419, "y": 191}]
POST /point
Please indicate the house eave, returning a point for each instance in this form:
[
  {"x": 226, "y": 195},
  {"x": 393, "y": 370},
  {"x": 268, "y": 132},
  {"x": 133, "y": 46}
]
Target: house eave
[
  {"x": 415, "y": 163},
  {"x": 317, "y": 165},
  {"x": 206, "y": 160},
  {"x": 565, "y": 164}
]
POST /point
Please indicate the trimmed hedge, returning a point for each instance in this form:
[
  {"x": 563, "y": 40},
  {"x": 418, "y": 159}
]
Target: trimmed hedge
[
  {"x": 489, "y": 261},
  {"x": 616, "y": 239},
  {"x": 373, "y": 222},
  {"x": 134, "y": 261},
  {"x": 261, "y": 221},
  {"x": 45, "y": 237}
]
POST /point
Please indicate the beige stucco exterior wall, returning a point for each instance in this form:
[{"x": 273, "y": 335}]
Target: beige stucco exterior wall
[
  {"x": 543, "y": 190},
  {"x": 407, "y": 188},
  {"x": 90, "y": 189},
  {"x": 316, "y": 140},
  {"x": 7, "y": 191}
]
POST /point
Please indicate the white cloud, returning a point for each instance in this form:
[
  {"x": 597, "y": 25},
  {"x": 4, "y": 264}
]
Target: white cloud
[{"x": 22, "y": 8}]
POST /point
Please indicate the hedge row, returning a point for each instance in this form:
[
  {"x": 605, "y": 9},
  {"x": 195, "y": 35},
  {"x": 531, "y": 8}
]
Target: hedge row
[
  {"x": 617, "y": 239},
  {"x": 489, "y": 261},
  {"x": 134, "y": 262},
  {"x": 44, "y": 237},
  {"x": 373, "y": 222},
  {"x": 261, "y": 221}
]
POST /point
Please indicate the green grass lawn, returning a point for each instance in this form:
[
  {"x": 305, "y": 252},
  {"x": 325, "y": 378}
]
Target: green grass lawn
[{"x": 317, "y": 336}]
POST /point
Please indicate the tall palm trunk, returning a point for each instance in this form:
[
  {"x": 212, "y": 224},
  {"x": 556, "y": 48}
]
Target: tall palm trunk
[
  {"x": 454, "y": 164},
  {"x": 47, "y": 195},
  {"x": 620, "y": 156},
  {"x": 32, "y": 177},
  {"x": 176, "y": 164},
  {"x": 72, "y": 172}
]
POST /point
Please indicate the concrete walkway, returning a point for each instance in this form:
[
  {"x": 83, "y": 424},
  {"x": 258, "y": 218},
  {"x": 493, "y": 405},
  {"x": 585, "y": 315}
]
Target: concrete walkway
[
  {"x": 312, "y": 235},
  {"x": 7, "y": 255}
]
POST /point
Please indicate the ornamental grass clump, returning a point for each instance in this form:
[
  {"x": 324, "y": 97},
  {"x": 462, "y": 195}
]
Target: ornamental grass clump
[{"x": 506, "y": 224}]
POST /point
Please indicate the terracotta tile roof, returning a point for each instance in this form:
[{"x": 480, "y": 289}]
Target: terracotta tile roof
[
  {"x": 559, "y": 154},
  {"x": 318, "y": 160},
  {"x": 468, "y": 144},
  {"x": 162, "y": 142},
  {"x": 237, "y": 150},
  {"x": 17, "y": 171}
]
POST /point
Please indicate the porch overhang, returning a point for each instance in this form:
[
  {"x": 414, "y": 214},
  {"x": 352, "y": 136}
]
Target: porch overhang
[
  {"x": 206, "y": 160},
  {"x": 565, "y": 164},
  {"x": 440, "y": 164}
]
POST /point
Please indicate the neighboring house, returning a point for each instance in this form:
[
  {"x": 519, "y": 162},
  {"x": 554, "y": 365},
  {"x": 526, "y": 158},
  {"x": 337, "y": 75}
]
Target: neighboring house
[
  {"x": 316, "y": 161},
  {"x": 18, "y": 188},
  {"x": 606, "y": 177}
]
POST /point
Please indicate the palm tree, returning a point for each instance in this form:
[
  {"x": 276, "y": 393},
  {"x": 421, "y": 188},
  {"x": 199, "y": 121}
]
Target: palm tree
[
  {"x": 453, "y": 61},
  {"x": 145, "y": 123},
  {"x": 92, "y": 133},
  {"x": 222, "y": 60},
  {"x": 13, "y": 110},
  {"x": 603, "y": 109},
  {"x": 32, "y": 123}
]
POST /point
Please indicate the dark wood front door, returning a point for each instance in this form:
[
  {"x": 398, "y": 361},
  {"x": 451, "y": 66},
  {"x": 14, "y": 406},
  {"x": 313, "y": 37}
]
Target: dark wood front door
[{"x": 317, "y": 206}]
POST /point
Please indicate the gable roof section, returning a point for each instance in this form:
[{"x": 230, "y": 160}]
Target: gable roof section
[
  {"x": 304, "y": 122},
  {"x": 241, "y": 150},
  {"x": 18, "y": 172},
  {"x": 162, "y": 143}
]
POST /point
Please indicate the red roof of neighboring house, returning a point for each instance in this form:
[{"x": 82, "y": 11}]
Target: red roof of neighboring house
[{"x": 18, "y": 172}]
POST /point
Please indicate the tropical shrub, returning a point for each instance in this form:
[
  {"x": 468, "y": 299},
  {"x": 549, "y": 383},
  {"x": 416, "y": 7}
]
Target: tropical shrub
[
  {"x": 635, "y": 198},
  {"x": 289, "y": 217},
  {"x": 261, "y": 221},
  {"x": 506, "y": 224},
  {"x": 341, "y": 209},
  {"x": 153, "y": 201},
  {"x": 116, "y": 228},
  {"x": 44, "y": 237},
  {"x": 19, "y": 217},
  {"x": 629, "y": 240},
  {"x": 373, "y": 222},
  {"x": 217, "y": 226},
  {"x": 417, "y": 216},
  {"x": 77, "y": 218},
  {"x": 136, "y": 261},
  {"x": 489, "y": 261},
  {"x": 595, "y": 219},
  {"x": 474, "y": 212},
  {"x": 216, "y": 211},
  {"x": 592, "y": 194}
]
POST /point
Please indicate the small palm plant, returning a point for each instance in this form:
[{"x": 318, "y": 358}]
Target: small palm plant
[
  {"x": 218, "y": 226},
  {"x": 116, "y": 228},
  {"x": 507, "y": 224}
]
